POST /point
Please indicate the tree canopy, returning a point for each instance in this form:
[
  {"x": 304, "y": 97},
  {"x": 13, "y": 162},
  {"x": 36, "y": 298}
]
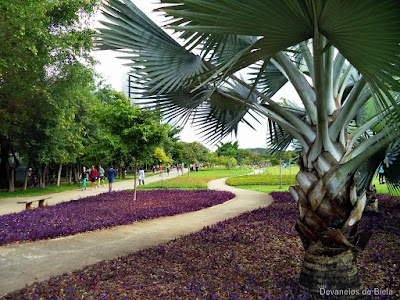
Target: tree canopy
[{"x": 39, "y": 41}]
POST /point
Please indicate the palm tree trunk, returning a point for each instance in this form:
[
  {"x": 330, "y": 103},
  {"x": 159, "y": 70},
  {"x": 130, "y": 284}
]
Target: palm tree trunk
[
  {"x": 372, "y": 201},
  {"x": 328, "y": 227},
  {"x": 330, "y": 271}
]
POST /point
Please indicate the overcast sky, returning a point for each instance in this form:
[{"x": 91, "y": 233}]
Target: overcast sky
[{"x": 114, "y": 72}]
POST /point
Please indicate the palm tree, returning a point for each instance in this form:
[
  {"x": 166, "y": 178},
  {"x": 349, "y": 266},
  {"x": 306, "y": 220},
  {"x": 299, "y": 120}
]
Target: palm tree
[
  {"x": 279, "y": 140},
  {"x": 319, "y": 46}
]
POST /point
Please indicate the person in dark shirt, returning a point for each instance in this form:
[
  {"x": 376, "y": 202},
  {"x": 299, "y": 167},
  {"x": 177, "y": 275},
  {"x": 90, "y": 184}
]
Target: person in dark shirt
[
  {"x": 111, "y": 174},
  {"x": 84, "y": 176},
  {"x": 93, "y": 177}
]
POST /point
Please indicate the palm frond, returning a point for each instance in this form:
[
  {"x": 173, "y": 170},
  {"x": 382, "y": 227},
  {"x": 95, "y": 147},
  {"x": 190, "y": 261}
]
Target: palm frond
[
  {"x": 155, "y": 56},
  {"x": 279, "y": 140},
  {"x": 214, "y": 111}
]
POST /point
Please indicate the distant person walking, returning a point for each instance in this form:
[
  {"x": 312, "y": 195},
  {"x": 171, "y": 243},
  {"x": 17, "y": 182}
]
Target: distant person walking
[
  {"x": 93, "y": 177},
  {"x": 160, "y": 169},
  {"x": 84, "y": 176},
  {"x": 111, "y": 174},
  {"x": 141, "y": 176},
  {"x": 101, "y": 175},
  {"x": 381, "y": 173}
]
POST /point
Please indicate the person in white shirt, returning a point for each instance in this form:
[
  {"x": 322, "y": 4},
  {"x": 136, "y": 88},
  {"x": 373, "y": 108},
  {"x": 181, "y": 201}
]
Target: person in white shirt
[{"x": 141, "y": 176}]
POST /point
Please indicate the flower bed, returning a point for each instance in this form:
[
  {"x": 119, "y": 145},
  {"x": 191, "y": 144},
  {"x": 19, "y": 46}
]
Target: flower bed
[
  {"x": 103, "y": 211},
  {"x": 257, "y": 255}
]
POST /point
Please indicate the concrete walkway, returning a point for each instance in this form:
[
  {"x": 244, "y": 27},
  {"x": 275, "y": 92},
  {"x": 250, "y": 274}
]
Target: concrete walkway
[
  {"x": 25, "y": 263},
  {"x": 9, "y": 205}
]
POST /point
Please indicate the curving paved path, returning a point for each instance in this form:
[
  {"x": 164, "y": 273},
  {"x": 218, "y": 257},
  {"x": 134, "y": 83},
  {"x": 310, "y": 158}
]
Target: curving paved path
[{"x": 25, "y": 263}]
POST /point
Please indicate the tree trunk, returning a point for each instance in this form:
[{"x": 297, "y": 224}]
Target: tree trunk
[
  {"x": 11, "y": 178},
  {"x": 42, "y": 176},
  {"x": 4, "y": 155},
  {"x": 67, "y": 177},
  {"x": 46, "y": 174},
  {"x": 69, "y": 172},
  {"x": 134, "y": 182},
  {"x": 59, "y": 174},
  {"x": 328, "y": 227},
  {"x": 327, "y": 271},
  {"x": 5, "y": 163},
  {"x": 26, "y": 178},
  {"x": 76, "y": 174}
]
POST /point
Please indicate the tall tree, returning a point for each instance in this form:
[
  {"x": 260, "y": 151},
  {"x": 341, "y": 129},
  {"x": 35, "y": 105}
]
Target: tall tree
[
  {"x": 318, "y": 46},
  {"x": 228, "y": 149},
  {"x": 37, "y": 38},
  {"x": 134, "y": 133},
  {"x": 193, "y": 152}
]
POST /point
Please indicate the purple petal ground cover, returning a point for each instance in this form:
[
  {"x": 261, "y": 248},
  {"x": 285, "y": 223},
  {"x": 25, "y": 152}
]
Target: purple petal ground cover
[
  {"x": 257, "y": 255},
  {"x": 103, "y": 211}
]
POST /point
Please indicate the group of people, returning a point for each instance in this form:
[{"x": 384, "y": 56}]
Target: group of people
[
  {"x": 97, "y": 176},
  {"x": 160, "y": 169}
]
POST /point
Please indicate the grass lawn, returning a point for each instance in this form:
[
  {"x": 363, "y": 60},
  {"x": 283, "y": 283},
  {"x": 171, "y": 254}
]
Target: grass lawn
[
  {"x": 265, "y": 188},
  {"x": 196, "y": 180},
  {"x": 292, "y": 170},
  {"x": 243, "y": 182},
  {"x": 380, "y": 188}
]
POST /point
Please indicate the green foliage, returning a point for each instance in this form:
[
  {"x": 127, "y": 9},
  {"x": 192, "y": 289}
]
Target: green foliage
[
  {"x": 193, "y": 152},
  {"x": 130, "y": 133},
  {"x": 42, "y": 42},
  {"x": 211, "y": 159},
  {"x": 262, "y": 179},
  {"x": 172, "y": 146},
  {"x": 230, "y": 162},
  {"x": 160, "y": 155},
  {"x": 228, "y": 149}
]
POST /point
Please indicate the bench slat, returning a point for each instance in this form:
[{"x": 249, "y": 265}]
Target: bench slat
[{"x": 29, "y": 205}]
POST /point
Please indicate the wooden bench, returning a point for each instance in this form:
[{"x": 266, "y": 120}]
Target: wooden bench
[{"x": 29, "y": 203}]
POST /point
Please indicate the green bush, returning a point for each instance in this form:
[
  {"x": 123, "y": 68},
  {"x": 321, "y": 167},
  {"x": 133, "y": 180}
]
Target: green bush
[{"x": 262, "y": 179}]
